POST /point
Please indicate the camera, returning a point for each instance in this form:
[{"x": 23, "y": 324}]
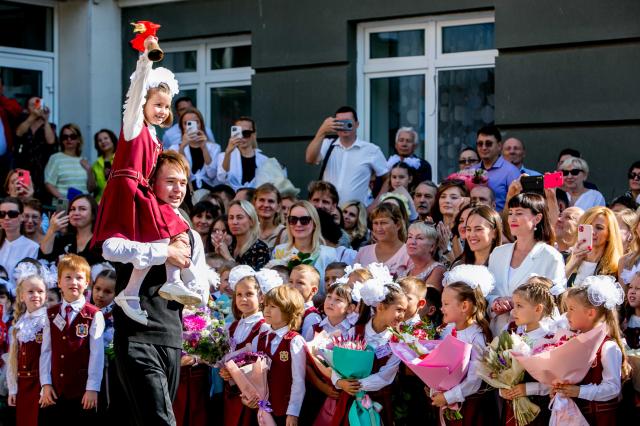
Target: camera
[{"x": 345, "y": 124}]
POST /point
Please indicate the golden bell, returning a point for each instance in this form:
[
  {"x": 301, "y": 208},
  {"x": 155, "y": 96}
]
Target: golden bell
[{"x": 155, "y": 53}]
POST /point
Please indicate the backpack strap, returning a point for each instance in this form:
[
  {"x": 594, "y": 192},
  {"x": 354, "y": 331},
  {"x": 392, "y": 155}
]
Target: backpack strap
[{"x": 326, "y": 158}]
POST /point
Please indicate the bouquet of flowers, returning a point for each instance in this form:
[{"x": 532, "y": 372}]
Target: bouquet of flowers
[
  {"x": 292, "y": 259},
  {"x": 633, "y": 357},
  {"x": 415, "y": 335},
  {"x": 204, "y": 333},
  {"x": 502, "y": 371},
  {"x": 352, "y": 358},
  {"x": 471, "y": 177},
  {"x": 566, "y": 358},
  {"x": 249, "y": 371},
  {"x": 442, "y": 368}
]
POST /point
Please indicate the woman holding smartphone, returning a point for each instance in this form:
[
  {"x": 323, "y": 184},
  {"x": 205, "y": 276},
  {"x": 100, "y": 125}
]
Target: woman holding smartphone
[
  {"x": 598, "y": 253},
  {"x": 238, "y": 163},
  {"x": 201, "y": 153}
]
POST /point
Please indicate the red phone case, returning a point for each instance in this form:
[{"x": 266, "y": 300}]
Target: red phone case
[
  {"x": 553, "y": 180},
  {"x": 25, "y": 177}
]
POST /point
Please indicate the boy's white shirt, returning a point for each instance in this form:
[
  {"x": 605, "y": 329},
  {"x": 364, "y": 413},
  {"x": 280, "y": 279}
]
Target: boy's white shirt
[
  {"x": 307, "y": 325},
  {"x": 96, "y": 347},
  {"x": 298, "y": 366}
]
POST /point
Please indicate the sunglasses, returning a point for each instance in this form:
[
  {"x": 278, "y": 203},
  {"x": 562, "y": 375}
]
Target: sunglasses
[
  {"x": 573, "y": 172},
  {"x": 247, "y": 133},
  {"x": 488, "y": 144},
  {"x": 11, "y": 213},
  {"x": 634, "y": 176},
  {"x": 304, "y": 220},
  {"x": 468, "y": 160},
  {"x": 71, "y": 136}
]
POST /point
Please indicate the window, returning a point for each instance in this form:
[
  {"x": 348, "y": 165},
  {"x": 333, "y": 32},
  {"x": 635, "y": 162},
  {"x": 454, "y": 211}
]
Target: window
[
  {"x": 216, "y": 75},
  {"x": 435, "y": 74},
  {"x": 27, "y": 52}
]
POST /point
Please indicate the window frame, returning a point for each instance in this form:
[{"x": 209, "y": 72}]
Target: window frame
[
  {"x": 204, "y": 78},
  {"x": 427, "y": 65}
]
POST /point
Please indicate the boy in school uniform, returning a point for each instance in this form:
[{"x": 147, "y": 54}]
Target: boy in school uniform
[
  {"x": 72, "y": 356},
  {"x": 306, "y": 279}
]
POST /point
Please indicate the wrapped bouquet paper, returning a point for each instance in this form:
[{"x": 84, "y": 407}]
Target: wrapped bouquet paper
[
  {"x": 443, "y": 366},
  {"x": 502, "y": 371},
  {"x": 566, "y": 358},
  {"x": 249, "y": 372},
  {"x": 352, "y": 358}
]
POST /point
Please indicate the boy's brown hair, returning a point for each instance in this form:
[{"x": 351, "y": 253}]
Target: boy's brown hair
[
  {"x": 309, "y": 270},
  {"x": 290, "y": 302},
  {"x": 74, "y": 263},
  {"x": 413, "y": 285},
  {"x": 171, "y": 158}
]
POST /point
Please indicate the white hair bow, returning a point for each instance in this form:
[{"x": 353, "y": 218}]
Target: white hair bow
[
  {"x": 239, "y": 272},
  {"x": 603, "y": 290},
  {"x": 472, "y": 275}
]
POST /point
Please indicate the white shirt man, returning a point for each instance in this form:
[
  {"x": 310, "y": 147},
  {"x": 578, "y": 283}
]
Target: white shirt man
[{"x": 351, "y": 161}]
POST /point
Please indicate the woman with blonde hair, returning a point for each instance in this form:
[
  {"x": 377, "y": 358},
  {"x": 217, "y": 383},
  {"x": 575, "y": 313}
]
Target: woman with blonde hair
[
  {"x": 627, "y": 219},
  {"x": 390, "y": 233},
  {"x": 422, "y": 248},
  {"x": 267, "y": 202},
  {"x": 629, "y": 264},
  {"x": 246, "y": 247},
  {"x": 304, "y": 241},
  {"x": 354, "y": 215},
  {"x": 575, "y": 172},
  {"x": 602, "y": 257}
]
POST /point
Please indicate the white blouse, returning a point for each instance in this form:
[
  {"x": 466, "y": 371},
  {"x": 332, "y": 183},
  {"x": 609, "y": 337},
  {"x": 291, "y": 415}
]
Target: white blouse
[
  {"x": 344, "y": 327},
  {"x": 610, "y": 387},
  {"x": 471, "y": 383},
  {"x": 233, "y": 177},
  {"x": 208, "y": 174},
  {"x": 12, "y": 252},
  {"x": 244, "y": 328}
]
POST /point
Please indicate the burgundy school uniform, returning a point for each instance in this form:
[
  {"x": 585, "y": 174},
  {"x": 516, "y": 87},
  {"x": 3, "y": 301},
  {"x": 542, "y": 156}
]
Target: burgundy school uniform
[
  {"x": 190, "y": 405},
  {"x": 235, "y": 412},
  {"x": 128, "y": 208},
  {"x": 280, "y": 376},
  {"x": 595, "y": 412},
  {"x": 70, "y": 352},
  {"x": 382, "y": 396},
  {"x": 27, "y": 406}
]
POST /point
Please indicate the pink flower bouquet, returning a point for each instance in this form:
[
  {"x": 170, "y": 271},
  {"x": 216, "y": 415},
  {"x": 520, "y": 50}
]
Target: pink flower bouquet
[
  {"x": 444, "y": 367},
  {"x": 250, "y": 375},
  {"x": 204, "y": 334},
  {"x": 470, "y": 177},
  {"x": 566, "y": 358}
]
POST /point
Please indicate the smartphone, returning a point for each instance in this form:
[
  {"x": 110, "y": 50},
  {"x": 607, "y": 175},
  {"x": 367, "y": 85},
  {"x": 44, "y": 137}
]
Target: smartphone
[
  {"x": 553, "y": 180},
  {"x": 61, "y": 205},
  {"x": 236, "y": 132},
  {"x": 192, "y": 126},
  {"x": 346, "y": 125},
  {"x": 37, "y": 104},
  {"x": 533, "y": 184},
  {"x": 585, "y": 233},
  {"x": 24, "y": 176}
]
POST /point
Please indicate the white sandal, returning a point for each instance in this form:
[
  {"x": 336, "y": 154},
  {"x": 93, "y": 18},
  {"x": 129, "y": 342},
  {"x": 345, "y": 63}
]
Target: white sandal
[{"x": 139, "y": 315}]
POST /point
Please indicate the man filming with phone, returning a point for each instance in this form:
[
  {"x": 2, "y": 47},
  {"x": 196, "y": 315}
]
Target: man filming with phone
[{"x": 347, "y": 161}]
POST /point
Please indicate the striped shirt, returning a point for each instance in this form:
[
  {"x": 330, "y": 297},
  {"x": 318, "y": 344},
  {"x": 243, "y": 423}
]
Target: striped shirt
[{"x": 64, "y": 172}]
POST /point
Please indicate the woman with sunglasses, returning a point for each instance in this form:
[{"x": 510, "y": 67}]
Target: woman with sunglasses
[
  {"x": 390, "y": 233},
  {"x": 71, "y": 232},
  {"x": 468, "y": 159},
  {"x": 246, "y": 247},
  {"x": 67, "y": 169},
  {"x": 634, "y": 181},
  {"x": 200, "y": 152},
  {"x": 304, "y": 235},
  {"x": 238, "y": 163},
  {"x": 14, "y": 246},
  {"x": 575, "y": 172},
  {"x": 105, "y": 142}
]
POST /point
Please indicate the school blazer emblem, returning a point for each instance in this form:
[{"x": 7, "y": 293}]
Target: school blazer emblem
[
  {"x": 82, "y": 330},
  {"x": 39, "y": 337},
  {"x": 284, "y": 356}
]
